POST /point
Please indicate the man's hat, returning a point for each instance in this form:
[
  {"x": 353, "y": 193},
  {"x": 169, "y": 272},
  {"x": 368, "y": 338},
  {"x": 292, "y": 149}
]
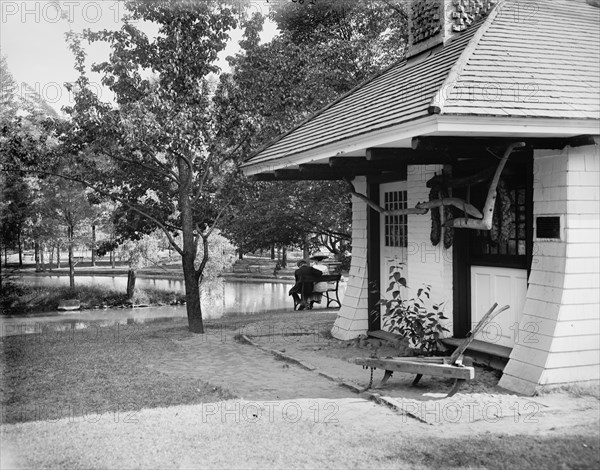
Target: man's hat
[{"x": 319, "y": 255}]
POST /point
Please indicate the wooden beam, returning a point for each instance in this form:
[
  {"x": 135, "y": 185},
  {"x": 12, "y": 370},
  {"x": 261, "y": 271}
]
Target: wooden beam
[
  {"x": 456, "y": 145},
  {"x": 428, "y": 366},
  {"x": 337, "y": 162},
  {"x": 314, "y": 167},
  {"x": 306, "y": 175},
  {"x": 263, "y": 177},
  {"x": 582, "y": 140},
  {"x": 403, "y": 156}
]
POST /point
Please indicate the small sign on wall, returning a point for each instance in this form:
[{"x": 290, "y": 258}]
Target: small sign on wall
[{"x": 548, "y": 227}]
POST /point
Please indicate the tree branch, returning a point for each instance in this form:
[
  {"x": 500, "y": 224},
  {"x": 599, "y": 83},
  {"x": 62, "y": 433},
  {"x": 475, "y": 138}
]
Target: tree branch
[
  {"x": 380, "y": 209},
  {"x": 143, "y": 165},
  {"x": 158, "y": 162},
  {"x": 162, "y": 226}
]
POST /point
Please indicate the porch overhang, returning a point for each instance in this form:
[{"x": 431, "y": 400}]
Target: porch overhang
[{"x": 390, "y": 149}]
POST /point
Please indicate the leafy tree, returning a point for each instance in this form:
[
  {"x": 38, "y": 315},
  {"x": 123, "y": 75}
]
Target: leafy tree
[
  {"x": 290, "y": 213},
  {"x": 68, "y": 204},
  {"x": 323, "y": 50},
  {"x": 156, "y": 152},
  {"x": 140, "y": 253},
  {"x": 15, "y": 203},
  {"x": 22, "y": 133},
  {"x": 8, "y": 93}
]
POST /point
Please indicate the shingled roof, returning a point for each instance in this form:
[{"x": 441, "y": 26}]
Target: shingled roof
[
  {"x": 528, "y": 58},
  {"x": 538, "y": 59}
]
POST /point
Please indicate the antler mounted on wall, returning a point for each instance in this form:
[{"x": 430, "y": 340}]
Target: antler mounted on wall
[
  {"x": 485, "y": 223},
  {"x": 478, "y": 220},
  {"x": 381, "y": 210}
]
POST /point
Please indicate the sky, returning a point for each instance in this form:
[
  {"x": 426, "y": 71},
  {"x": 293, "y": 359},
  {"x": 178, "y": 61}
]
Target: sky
[{"x": 32, "y": 38}]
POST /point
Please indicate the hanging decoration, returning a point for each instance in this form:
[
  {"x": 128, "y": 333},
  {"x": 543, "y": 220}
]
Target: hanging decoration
[{"x": 473, "y": 218}]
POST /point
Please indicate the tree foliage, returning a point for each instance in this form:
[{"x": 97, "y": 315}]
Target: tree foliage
[
  {"x": 323, "y": 50},
  {"x": 156, "y": 152},
  {"x": 23, "y": 136}
]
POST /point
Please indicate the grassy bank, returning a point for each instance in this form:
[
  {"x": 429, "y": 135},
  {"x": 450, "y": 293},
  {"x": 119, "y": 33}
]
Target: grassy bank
[
  {"x": 19, "y": 299},
  {"x": 62, "y": 373}
]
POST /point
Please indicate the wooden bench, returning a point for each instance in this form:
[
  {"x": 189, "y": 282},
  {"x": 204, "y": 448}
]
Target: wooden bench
[
  {"x": 331, "y": 294},
  {"x": 455, "y": 366}
]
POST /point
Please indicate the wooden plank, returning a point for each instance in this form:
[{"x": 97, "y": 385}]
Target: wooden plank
[
  {"x": 457, "y": 144},
  {"x": 323, "y": 278},
  {"x": 385, "y": 335},
  {"x": 297, "y": 175},
  {"x": 419, "y": 360},
  {"x": 406, "y": 156},
  {"x": 412, "y": 367}
]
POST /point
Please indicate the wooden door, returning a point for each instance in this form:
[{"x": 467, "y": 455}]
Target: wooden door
[
  {"x": 393, "y": 234},
  {"x": 506, "y": 286}
]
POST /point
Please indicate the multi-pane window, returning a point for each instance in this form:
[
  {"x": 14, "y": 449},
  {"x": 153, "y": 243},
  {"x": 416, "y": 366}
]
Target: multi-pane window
[
  {"x": 395, "y": 225},
  {"x": 514, "y": 243}
]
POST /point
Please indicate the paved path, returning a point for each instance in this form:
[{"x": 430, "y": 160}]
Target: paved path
[{"x": 245, "y": 370}]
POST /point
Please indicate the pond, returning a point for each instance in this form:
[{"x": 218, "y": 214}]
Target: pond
[{"x": 219, "y": 298}]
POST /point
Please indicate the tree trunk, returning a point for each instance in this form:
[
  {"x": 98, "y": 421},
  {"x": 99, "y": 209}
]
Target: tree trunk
[
  {"x": 273, "y": 251},
  {"x": 36, "y": 255},
  {"x": 42, "y": 258},
  {"x": 112, "y": 259},
  {"x": 190, "y": 275},
  {"x": 93, "y": 245},
  {"x": 305, "y": 253},
  {"x": 71, "y": 264},
  {"x": 58, "y": 255},
  {"x": 284, "y": 257},
  {"x": 20, "y": 246},
  {"x": 131, "y": 278},
  {"x": 192, "y": 296},
  {"x": 51, "y": 254}
]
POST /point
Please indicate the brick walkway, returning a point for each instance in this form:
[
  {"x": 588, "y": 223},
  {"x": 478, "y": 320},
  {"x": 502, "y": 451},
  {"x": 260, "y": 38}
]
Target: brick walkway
[{"x": 245, "y": 370}]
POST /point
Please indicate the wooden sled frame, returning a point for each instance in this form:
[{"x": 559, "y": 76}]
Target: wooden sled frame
[{"x": 454, "y": 366}]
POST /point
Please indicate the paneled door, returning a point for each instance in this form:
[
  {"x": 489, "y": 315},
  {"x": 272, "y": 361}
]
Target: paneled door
[
  {"x": 506, "y": 286},
  {"x": 393, "y": 233}
]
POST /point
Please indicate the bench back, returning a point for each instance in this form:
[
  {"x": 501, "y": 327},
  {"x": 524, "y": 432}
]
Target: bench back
[{"x": 323, "y": 278}]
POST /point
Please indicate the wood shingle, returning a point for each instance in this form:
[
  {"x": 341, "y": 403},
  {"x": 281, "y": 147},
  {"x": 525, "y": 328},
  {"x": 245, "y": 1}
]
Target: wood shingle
[{"x": 527, "y": 59}]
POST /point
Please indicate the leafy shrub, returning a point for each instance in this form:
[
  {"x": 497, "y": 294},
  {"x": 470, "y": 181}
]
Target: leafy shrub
[{"x": 416, "y": 318}]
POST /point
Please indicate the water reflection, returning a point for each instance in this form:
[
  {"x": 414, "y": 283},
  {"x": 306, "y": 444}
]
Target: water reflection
[{"x": 219, "y": 298}]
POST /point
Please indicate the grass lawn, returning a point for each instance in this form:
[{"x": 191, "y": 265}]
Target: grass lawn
[{"x": 50, "y": 375}]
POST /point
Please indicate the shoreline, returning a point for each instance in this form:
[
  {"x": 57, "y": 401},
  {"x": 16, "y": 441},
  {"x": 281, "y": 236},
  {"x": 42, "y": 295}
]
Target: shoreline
[{"x": 236, "y": 277}]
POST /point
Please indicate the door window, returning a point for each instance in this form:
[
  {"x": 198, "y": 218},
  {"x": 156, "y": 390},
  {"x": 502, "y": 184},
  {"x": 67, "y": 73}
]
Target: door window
[{"x": 395, "y": 226}]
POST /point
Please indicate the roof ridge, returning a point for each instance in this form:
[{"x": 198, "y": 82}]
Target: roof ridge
[
  {"x": 327, "y": 107},
  {"x": 436, "y": 106}
]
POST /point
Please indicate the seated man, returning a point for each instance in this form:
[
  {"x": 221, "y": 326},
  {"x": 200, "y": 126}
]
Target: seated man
[{"x": 302, "y": 290}]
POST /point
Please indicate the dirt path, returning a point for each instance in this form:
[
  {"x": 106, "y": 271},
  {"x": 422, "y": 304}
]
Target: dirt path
[
  {"x": 294, "y": 417},
  {"x": 247, "y": 372}
]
